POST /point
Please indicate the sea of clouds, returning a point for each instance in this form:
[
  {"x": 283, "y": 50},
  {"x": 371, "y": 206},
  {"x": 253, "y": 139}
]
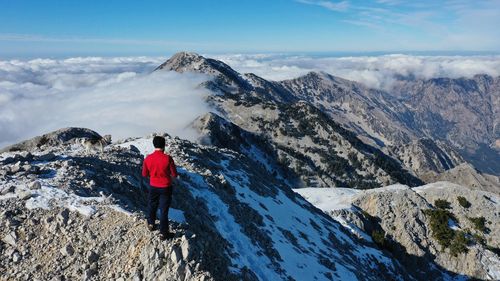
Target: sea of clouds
[
  {"x": 122, "y": 96},
  {"x": 374, "y": 71},
  {"x": 118, "y": 96}
]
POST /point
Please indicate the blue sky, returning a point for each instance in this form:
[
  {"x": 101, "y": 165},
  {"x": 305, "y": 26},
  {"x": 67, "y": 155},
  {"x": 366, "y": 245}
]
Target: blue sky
[{"x": 51, "y": 28}]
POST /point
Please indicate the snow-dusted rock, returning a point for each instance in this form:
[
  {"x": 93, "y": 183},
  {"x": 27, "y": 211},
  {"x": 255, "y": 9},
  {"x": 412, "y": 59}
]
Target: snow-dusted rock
[
  {"x": 35, "y": 185},
  {"x": 398, "y": 211}
]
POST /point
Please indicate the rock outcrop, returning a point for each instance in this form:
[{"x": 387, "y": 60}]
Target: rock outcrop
[{"x": 397, "y": 218}]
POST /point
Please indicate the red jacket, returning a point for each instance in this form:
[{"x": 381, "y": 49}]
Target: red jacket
[{"x": 160, "y": 167}]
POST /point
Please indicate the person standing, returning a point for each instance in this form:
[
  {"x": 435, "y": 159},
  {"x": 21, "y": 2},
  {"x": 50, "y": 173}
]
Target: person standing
[{"x": 161, "y": 170}]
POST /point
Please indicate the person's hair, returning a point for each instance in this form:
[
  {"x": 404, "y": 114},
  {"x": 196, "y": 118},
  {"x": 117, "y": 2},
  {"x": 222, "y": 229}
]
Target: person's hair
[{"x": 159, "y": 142}]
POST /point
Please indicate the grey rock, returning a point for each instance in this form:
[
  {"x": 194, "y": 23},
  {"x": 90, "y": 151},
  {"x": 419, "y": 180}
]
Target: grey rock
[
  {"x": 466, "y": 175},
  {"x": 55, "y": 138},
  {"x": 175, "y": 255},
  {"x": 88, "y": 274},
  {"x": 67, "y": 250},
  {"x": 185, "y": 247},
  {"x": 92, "y": 257},
  {"x": 10, "y": 239},
  {"x": 400, "y": 213},
  {"x": 6, "y": 189},
  {"x": 425, "y": 155},
  {"x": 25, "y": 156},
  {"x": 3, "y": 172},
  {"x": 46, "y": 157},
  {"x": 137, "y": 277},
  {"x": 27, "y": 168},
  {"x": 15, "y": 168},
  {"x": 63, "y": 217},
  {"x": 35, "y": 185},
  {"x": 16, "y": 258},
  {"x": 25, "y": 194}
]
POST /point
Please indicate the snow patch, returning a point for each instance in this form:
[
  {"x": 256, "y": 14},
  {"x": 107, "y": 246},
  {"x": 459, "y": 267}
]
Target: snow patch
[
  {"x": 49, "y": 197},
  {"x": 328, "y": 199}
]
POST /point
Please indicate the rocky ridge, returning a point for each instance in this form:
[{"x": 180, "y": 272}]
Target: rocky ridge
[
  {"x": 412, "y": 110},
  {"x": 306, "y": 141},
  {"x": 231, "y": 220}
]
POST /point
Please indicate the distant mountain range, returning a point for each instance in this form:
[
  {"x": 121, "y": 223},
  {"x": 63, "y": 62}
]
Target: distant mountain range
[{"x": 319, "y": 124}]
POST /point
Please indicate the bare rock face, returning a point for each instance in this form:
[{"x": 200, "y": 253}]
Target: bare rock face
[
  {"x": 464, "y": 112},
  {"x": 399, "y": 216},
  {"x": 434, "y": 161},
  {"x": 424, "y": 156},
  {"x": 368, "y": 112}
]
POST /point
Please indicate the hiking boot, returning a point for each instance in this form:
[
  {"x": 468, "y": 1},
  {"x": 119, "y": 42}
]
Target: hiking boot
[
  {"x": 165, "y": 236},
  {"x": 151, "y": 227}
]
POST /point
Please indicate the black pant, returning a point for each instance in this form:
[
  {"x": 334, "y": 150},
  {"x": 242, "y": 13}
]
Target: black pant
[{"x": 163, "y": 198}]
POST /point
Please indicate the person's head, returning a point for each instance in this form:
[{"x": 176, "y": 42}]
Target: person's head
[{"x": 159, "y": 142}]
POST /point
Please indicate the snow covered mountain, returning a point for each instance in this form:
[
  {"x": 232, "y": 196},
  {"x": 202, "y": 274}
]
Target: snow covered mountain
[{"x": 232, "y": 220}]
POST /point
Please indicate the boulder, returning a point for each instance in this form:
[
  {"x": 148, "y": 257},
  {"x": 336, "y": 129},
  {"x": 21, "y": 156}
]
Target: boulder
[
  {"x": 46, "y": 157},
  {"x": 63, "y": 217},
  {"x": 35, "y": 185},
  {"x": 10, "y": 239},
  {"x": 92, "y": 257},
  {"x": 67, "y": 250},
  {"x": 25, "y": 194}
]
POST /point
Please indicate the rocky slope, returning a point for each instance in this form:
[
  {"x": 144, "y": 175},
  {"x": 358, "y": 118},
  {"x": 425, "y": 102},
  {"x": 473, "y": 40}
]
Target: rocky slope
[
  {"x": 461, "y": 112},
  {"x": 470, "y": 106},
  {"x": 69, "y": 215},
  {"x": 396, "y": 218},
  {"x": 424, "y": 156},
  {"x": 270, "y": 110},
  {"x": 466, "y": 175},
  {"x": 464, "y": 112},
  {"x": 311, "y": 150},
  {"x": 371, "y": 113},
  {"x": 305, "y": 141}
]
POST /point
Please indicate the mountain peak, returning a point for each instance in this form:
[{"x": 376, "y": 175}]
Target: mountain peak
[
  {"x": 193, "y": 62},
  {"x": 183, "y": 62}
]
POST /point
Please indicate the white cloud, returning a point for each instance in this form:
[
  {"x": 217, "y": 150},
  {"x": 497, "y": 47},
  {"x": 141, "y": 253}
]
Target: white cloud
[
  {"x": 374, "y": 71},
  {"x": 330, "y": 5},
  {"x": 119, "y": 96}
]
